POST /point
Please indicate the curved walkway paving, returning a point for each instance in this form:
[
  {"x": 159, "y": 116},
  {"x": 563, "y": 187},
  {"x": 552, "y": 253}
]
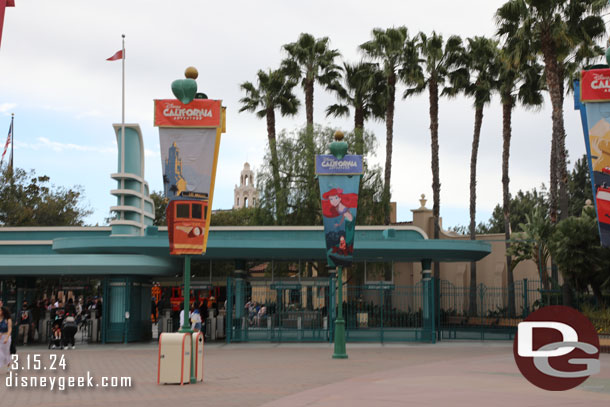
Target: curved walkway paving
[{"x": 488, "y": 380}]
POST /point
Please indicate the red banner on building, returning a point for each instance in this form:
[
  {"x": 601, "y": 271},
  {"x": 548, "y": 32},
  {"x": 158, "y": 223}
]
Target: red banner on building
[
  {"x": 198, "y": 113},
  {"x": 595, "y": 85}
]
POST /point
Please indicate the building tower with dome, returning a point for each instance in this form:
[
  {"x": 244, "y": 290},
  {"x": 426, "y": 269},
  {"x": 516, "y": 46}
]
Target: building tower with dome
[{"x": 246, "y": 194}]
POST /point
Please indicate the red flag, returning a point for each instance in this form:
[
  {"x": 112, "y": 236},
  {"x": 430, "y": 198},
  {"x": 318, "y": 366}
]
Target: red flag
[{"x": 117, "y": 55}]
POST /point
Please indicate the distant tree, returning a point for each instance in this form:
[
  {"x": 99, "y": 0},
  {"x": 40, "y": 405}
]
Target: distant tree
[
  {"x": 273, "y": 91},
  {"x": 160, "y": 202},
  {"x": 388, "y": 47},
  {"x": 362, "y": 89},
  {"x": 559, "y": 31},
  {"x": 576, "y": 250},
  {"x": 533, "y": 242},
  {"x": 579, "y": 186},
  {"x": 252, "y": 216},
  {"x": 311, "y": 60},
  {"x": 520, "y": 81},
  {"x": 427, "y": 68},
  {"x": 30, "y": 200},
  {"x": 521, "y": 205},
  {"x": 294, "y": 182},
  {"x": 476, "y": 77}
]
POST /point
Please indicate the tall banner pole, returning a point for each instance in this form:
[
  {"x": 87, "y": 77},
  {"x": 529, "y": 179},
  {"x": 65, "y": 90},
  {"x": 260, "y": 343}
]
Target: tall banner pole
[
  {"x": 339, "y": 177},
  {"x": 190, "y": 128}
]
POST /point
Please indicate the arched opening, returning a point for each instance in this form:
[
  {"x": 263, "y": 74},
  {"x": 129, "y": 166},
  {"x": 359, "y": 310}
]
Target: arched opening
[
  {"x": 237, "y": 202},
  {"x": 245, "y": 202},
  {"x": 246, "y": 180}
]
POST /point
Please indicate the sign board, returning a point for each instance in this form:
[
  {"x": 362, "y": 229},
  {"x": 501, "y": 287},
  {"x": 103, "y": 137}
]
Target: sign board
[
  {"x": 198, "y": 113},
  {"x": 348, "y": 165}
]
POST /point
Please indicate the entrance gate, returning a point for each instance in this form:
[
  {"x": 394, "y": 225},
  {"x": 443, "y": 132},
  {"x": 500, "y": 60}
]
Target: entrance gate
[{"x": 305, "y": 310}]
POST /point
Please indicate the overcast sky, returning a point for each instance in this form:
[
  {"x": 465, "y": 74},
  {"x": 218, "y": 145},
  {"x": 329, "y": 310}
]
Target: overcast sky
[{"x": 65, "y": 95}]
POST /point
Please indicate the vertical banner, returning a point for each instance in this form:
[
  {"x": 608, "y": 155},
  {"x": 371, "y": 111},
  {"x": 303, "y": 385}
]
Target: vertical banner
[
  {"x": 594, "y": 104},
  {"x": 339, "y": 182},
  {"x": 189, "y": 136}
]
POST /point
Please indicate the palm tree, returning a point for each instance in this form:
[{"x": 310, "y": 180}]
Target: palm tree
[
  {"x": 274, "y": 91},
  {"x": 387, "y": 46},
  {"x": 311, "y": 60},
  {"x": 362, "y": 90},
  {"x": 428, "y": 66},
  {"x": 560, "y": 31},
  {"x": 477, "y": 77},
  {"x": 520, "y": 80}
]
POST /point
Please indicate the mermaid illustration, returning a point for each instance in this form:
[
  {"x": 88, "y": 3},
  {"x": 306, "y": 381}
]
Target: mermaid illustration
[{"x": 336, "y": 204}]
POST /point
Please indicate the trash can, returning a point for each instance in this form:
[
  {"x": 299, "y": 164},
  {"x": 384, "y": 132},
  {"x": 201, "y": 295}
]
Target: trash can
[
  {"x": 174, "y": 364},
  {"x": 198, "y": 354}
]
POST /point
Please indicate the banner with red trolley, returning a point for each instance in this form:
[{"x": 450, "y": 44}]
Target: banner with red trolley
[
  {"x": 592, "y": 98},
  {"x": 189, "y": 136}
]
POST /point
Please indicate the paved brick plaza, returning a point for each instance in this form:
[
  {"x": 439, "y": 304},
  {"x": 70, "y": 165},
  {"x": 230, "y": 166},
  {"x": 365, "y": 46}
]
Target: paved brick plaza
[{"x": 458, "y": 373}]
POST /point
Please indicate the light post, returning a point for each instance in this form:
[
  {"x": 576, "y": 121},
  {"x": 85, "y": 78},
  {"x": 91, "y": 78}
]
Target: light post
[
  {"x": 339, "y": 177},
  {"x": 190, "y": 127}
]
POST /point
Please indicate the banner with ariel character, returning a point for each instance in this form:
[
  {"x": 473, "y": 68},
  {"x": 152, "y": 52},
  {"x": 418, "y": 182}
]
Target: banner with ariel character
[{"x": 339, "y": 194}]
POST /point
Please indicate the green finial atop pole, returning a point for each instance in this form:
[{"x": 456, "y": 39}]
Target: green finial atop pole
[
  {"x": 185, "y": 89},
  {"x": 338, "y": 148}
]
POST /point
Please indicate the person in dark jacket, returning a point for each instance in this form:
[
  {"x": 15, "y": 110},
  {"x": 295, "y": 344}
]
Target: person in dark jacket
[{"x": 70, "y": 308}]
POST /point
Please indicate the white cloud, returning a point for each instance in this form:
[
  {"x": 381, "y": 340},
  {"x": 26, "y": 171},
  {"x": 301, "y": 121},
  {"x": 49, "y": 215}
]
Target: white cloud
[
  {"x": 7, "y": 108},
  {"x": 44, "y": 143}
]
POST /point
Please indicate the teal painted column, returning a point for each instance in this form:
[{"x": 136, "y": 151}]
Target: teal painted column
[
  {"x": 332, "y": 306},
  {"x": 428, "y": 311},
  {"x": 340, "y": 351},
  {"x": 229, "y": 311},
  {"x": 240, "y": 300},
  {"x": 105, "y": 310},
  {"x": 128, "y": 284}
]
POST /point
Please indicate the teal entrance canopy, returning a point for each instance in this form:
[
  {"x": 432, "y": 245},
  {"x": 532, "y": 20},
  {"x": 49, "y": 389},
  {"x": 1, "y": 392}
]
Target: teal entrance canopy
[{"x": 93, "y": 251}]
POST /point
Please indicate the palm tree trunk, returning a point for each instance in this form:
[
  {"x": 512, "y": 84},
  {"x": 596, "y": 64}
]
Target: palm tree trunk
[
  {"x": 359, "y": 131},
  {"x": 558, "y": 165},
  {"x": 389, "y": 126},
  {"x": 478, "y": 121},
  {"x": 309, "y": 102},
  {"x": 507, "y": 110},
  {"x": 436, "y": 184},
  {"x": 279, "y": 194}
]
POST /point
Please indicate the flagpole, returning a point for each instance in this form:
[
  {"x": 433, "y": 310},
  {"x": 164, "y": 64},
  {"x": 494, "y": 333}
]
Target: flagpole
[
  {"x": 123, "y": 112},
  {"x": 12, "y": 138}
]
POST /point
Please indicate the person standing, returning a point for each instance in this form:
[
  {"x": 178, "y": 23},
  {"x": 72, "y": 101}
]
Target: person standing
[
  {"x": 69, "y": 329},
  {"x": 25, "y": 319},
  {"x": 196, "y": 320},
  {"x": 153, "y": 310},
  {"x": 6, "y": 328},
  {"x": 70, "y": 308}
]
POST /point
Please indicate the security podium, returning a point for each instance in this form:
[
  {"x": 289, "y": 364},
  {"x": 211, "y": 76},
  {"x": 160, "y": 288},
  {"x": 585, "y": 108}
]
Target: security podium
[{"x": 174, "y": 365}]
